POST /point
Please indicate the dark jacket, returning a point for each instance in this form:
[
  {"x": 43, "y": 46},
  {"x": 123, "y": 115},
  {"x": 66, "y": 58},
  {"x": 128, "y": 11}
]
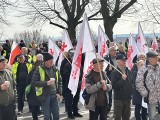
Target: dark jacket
[
  {"x": 7, "y": 47},
  {"x": 137, "y": 98},
  {"x": 31, "y": 96},
  {"x": 122, "y": 88},
  {"x": 66, "y": 72}
]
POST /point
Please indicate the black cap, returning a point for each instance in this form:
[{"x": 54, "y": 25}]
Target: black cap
[
  {"x": 47, "y": 56},
  {"x": 120, "y": 57},
  {"x": 152, "y": 54},
  {"x": 2, "y": 59},
  {"x": 94, "y": 61}
]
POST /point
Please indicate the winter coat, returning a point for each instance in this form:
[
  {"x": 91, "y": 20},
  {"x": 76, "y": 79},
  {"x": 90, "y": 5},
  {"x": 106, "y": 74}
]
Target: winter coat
[
  {"x": 122, "y": 88},
  {"x": 7, "y": 96},
  {"x": 152, "y": 82},
  {"x": 93, "y": 88}
]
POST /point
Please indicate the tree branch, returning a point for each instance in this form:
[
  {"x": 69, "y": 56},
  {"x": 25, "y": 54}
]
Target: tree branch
[{"x": 120, "y": 12}]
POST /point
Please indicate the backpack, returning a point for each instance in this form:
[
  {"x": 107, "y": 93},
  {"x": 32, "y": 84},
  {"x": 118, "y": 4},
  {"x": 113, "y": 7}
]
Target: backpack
[{"x": 85, "y": 95}]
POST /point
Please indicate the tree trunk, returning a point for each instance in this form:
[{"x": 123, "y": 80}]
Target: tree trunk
[
  {"x": 72, "y": 32},
  {"x": 108, "y": 29}
]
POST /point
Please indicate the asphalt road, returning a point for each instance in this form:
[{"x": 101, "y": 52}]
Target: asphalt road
[{"x": 63, "y": 116}]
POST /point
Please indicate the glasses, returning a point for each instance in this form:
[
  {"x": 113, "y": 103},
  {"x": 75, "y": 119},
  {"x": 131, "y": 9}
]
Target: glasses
[{"x": 113, "y": 50}]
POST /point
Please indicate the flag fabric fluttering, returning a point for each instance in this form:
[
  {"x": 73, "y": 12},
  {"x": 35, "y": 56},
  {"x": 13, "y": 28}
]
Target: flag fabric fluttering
[
  {"x": 88, "y": 66},
  {"x": 132, "y": 52},
  {"x": 102, "y": 45},
  {"x": 15, "y": 50},
  {"x": 65, "y": 47},
  {"x": 53, "y": 50},
  {"x": 141, "y": 41},
  {"x": 84, "y": 44}
]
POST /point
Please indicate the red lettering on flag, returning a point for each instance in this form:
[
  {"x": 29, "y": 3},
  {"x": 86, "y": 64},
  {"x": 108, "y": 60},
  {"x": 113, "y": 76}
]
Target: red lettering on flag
[
  {"x": 63, "y": 46},
  {"x": 51, "y": 51}
]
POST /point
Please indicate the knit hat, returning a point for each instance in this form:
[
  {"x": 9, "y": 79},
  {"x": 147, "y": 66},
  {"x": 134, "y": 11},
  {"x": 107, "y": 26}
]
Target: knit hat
[{"x": 47, "y": 56}]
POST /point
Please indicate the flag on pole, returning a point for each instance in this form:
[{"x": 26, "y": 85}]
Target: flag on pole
[
  {"x": 15, "y": 50},
  {"x": 88, "y": 66},
  {"x": 154, "y": 44},
  {"x": 141, "y": 41},
  {"x": 84, "y": 44},
  {"x": 102, "y": 39},
  {"x": 132, "y": 52},
  {"x": 65, "y": 47},
  {"x": 53, "y": 50}
]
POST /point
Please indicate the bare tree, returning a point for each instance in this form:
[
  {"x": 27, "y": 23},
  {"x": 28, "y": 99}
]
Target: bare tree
[
  {"x": 112, "y": 10},
  {"x": 28, "y": 36},
  {"x": 65, "y": 14},
  {"x": 4, "y": 6}
]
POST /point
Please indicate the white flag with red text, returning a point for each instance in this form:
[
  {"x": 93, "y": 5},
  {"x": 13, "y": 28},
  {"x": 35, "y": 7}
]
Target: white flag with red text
[
  {"x": 15, "y": 50},
  {"x": 132, "y": 52},
  {"x": 102, "y": 45},
  {"x": 65, "y": 47},
  {"x": 88, "y": 66},
  {"x": 53, "y": 50},
  {"x": 141, "y": 41},
  {"x": 84, "y": 44},
  {"x": 154, "y": 44}
]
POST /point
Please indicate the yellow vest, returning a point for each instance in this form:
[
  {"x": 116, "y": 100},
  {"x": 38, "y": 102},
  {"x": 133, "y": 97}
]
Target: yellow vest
[
  {"x": 39, "y": 90},
  {"x": 15, "y": 66},
  {"x": 4, "y": 54},
  {"x": 34, "y": 58}
]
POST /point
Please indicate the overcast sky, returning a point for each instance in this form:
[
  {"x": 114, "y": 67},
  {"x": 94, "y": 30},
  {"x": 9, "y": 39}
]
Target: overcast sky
[{"x": 17, "y": 26}]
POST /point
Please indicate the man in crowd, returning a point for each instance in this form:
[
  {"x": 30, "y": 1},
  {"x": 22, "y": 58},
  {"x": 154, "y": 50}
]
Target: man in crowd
[
  {"x": 71, "y": 102},
  {"x": 98, "y": 88},
  {"x": 7, "y": 93},
  {"x": 122, "y": 86},
  {"x": 7, "y": 47},
  {"x": 47, "y": 82},
  {"x": 111, "y": 58},
  {"x": 20, "y": 70},
  {"x": 148, "y": 83}
]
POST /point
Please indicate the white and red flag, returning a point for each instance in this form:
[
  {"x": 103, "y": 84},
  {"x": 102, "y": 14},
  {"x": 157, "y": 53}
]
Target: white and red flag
[
  {"x": 84, "y": 44},
  {"x": 132, "y": 52},
  {"x": 141, "y": 41},
  {"x": 102, "y": 45},
  {"x": 53, "y": 50},
  {"x": 15, "y": 50},
  {"x": 65, "y": 47},
  {"x": 88, "y": 66},
  {"x": 154, "y": 44}
]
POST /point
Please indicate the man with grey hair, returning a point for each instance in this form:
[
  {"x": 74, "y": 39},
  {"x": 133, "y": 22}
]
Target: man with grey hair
[
  {"x": 111, "y": 58},
  {"x": 147, "y": 83},
  {"x": 122, "y": 86}
]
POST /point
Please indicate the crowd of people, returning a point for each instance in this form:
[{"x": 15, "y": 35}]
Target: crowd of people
[{"x": 34, "y": 75}]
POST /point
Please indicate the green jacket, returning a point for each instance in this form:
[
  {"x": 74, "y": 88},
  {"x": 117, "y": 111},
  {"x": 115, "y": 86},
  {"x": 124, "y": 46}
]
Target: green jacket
[{"x": 7, "y": 96}]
